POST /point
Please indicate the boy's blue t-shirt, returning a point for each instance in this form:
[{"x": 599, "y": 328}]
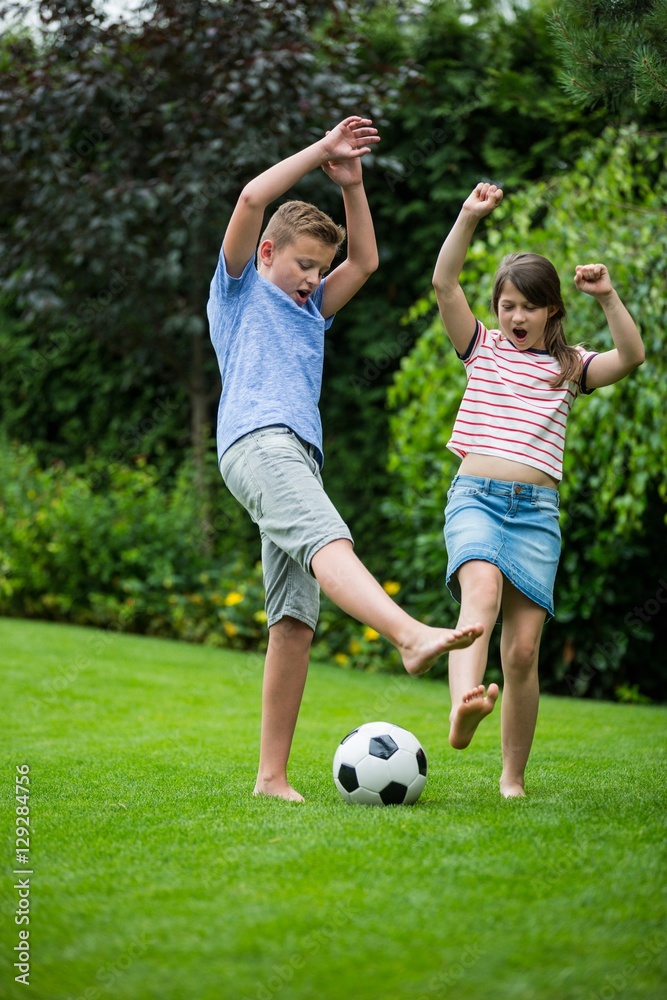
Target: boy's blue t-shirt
[{"x": 271, "y": 354}]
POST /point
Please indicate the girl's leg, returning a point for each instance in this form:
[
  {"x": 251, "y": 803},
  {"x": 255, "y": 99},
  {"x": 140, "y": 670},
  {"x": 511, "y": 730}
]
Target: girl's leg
[
  {"x": 519, "y": 651},
  {"x": 345, "y": 579},
  {"x": 285, "y": 671},
  {"x": 481, "y": 592}
]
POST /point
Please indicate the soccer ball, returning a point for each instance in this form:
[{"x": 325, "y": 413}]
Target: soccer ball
[{"x": 379, "y": 764}]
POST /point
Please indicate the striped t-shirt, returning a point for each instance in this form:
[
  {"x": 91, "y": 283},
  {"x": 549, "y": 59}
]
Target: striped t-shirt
[{"x": 509, "y": 409}]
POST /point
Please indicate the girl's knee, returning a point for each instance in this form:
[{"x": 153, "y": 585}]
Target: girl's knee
[
  {"x": 520, "y": 658},
  {"x": 481, "y": 587}
]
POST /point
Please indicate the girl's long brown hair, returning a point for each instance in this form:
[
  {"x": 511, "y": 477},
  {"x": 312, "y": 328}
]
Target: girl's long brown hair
[{"x": 537, "y": 279}]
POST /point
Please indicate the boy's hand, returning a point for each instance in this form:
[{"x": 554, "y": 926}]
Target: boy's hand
[
  {"x": 344, "y": 173},
  {"x": 349, "y": 140},
  {"x": 593, "y": 279},
  {"x": 483, "y": 200}
]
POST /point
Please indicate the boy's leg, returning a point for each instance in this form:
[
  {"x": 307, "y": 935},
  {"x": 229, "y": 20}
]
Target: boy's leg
[
  {"x": 347, "y": 582},
  {"x": 292, "y": 608},
  {"x": 285, "y": 671},
  {"x": 481, "y": 592},
  {"x": 278, "y": 481},
  {"x": 519, "y": 651}
]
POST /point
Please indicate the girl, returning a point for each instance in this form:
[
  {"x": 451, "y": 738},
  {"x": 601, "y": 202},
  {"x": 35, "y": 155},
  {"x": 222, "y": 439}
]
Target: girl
[{"x": 501, "y": 520}]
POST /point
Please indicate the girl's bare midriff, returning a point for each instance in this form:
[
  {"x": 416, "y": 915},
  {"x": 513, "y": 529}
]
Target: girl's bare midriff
[{"x": 492, "y": 467}]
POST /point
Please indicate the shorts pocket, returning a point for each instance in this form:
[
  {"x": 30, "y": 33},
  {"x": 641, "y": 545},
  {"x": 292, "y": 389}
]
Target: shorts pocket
[{"x": 241, "y": 483}]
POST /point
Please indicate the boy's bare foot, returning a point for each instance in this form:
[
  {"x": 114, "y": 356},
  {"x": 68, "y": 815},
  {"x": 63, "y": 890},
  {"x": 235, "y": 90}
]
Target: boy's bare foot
[
  {"x": 277, "y": 789},
  {"x": 430, "y": 646},
  {"x": 466, "y": 718},
  {"x": 510, "y": 788}
]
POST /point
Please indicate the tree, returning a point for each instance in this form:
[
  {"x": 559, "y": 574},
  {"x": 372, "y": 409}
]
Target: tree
[
  {"x": 610, "y": 588},
  {"x": 131, "y": 143},
  {"x": 123, "y": 147},
  {"x": 614, "y": 53}
]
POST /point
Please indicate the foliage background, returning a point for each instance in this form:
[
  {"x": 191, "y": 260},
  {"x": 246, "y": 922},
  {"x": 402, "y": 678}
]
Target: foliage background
[{"x": 123, "y": 146}]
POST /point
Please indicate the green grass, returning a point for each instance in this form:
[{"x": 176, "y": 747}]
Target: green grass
[{"x": 158, "y": 875}]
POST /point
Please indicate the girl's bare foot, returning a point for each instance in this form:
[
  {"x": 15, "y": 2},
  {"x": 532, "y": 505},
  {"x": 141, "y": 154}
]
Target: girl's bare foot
[
  {"x": 468, "y": 715},
  {"x": 511, "y": 788},
  {"x": 276, "y": 788},
  {"x": 419, "y": 656}
]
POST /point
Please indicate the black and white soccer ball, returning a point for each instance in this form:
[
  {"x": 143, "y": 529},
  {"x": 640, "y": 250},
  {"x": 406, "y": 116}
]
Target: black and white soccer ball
[{"x": 380, "y": 764}]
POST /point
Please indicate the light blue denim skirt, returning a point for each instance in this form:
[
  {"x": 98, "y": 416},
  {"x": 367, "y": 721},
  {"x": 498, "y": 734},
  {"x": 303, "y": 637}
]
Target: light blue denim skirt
[{"x": 512, "y": 525}]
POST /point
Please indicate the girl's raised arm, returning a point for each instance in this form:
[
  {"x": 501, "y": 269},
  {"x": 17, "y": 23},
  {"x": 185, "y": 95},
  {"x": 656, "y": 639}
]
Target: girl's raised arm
[
  {"x": 456, "y": 313},
  {"x": 628, "y": 351}
]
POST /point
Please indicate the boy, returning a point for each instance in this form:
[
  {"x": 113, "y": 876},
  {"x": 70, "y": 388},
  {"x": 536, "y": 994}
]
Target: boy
[{"x": 267, "y": 326}]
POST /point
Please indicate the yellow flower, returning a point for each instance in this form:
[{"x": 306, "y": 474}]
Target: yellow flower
[
  {"x": 230, "y": 628},
  {"x": 341, "y": 658},
  {"x": 354, "y": 646},
  {"x": 391, "y": 587},
  {"x": 370, "y": 635},
  {"x": 233, "y": 598},
  {"x": 260, "y": 616}
]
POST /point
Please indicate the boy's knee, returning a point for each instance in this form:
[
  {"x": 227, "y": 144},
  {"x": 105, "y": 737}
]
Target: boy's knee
[{"x": 291, "y": 631}]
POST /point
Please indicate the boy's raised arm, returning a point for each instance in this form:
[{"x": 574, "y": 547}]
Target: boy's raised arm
[
  {"x": 348, "y": 140},
  {"x": 456, "y": 313},
  {"x": 362, "y": 254}
]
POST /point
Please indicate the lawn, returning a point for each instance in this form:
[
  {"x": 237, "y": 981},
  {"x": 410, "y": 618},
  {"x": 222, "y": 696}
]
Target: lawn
[{"x": 156, "y": 874}]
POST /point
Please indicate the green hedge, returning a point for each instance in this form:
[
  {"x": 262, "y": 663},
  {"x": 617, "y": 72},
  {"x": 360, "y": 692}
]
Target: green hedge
[
  {"x": 117, "y": 549},
  {"x": 114, "y": 547}
]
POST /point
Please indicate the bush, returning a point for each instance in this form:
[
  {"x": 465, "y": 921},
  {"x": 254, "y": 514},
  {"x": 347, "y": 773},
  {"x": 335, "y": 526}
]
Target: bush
[{"x": 115, "y": 548}]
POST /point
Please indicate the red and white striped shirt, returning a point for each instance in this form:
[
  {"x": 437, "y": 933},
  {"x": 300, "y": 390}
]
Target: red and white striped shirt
[{"x": 509, "y": 409}]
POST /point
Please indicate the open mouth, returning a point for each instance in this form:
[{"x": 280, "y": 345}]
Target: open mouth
[
  {"x": 519, "y": 335},
  {"x": 301, "y": 296}
]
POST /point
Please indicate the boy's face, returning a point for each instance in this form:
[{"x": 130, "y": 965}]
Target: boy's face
[{"x": 298, "y": 268}]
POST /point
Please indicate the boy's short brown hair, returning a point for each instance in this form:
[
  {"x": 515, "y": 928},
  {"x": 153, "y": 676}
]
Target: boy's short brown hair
[{"x": 299, "y": 218}]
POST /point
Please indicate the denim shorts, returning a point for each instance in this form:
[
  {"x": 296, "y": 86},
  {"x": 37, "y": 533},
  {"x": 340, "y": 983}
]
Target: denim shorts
[
  {"x": 276, "y": 477},
  {"x": 512, "y": 525}
]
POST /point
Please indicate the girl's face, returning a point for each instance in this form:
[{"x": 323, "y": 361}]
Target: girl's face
[{"x": 522, "y": 322}]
